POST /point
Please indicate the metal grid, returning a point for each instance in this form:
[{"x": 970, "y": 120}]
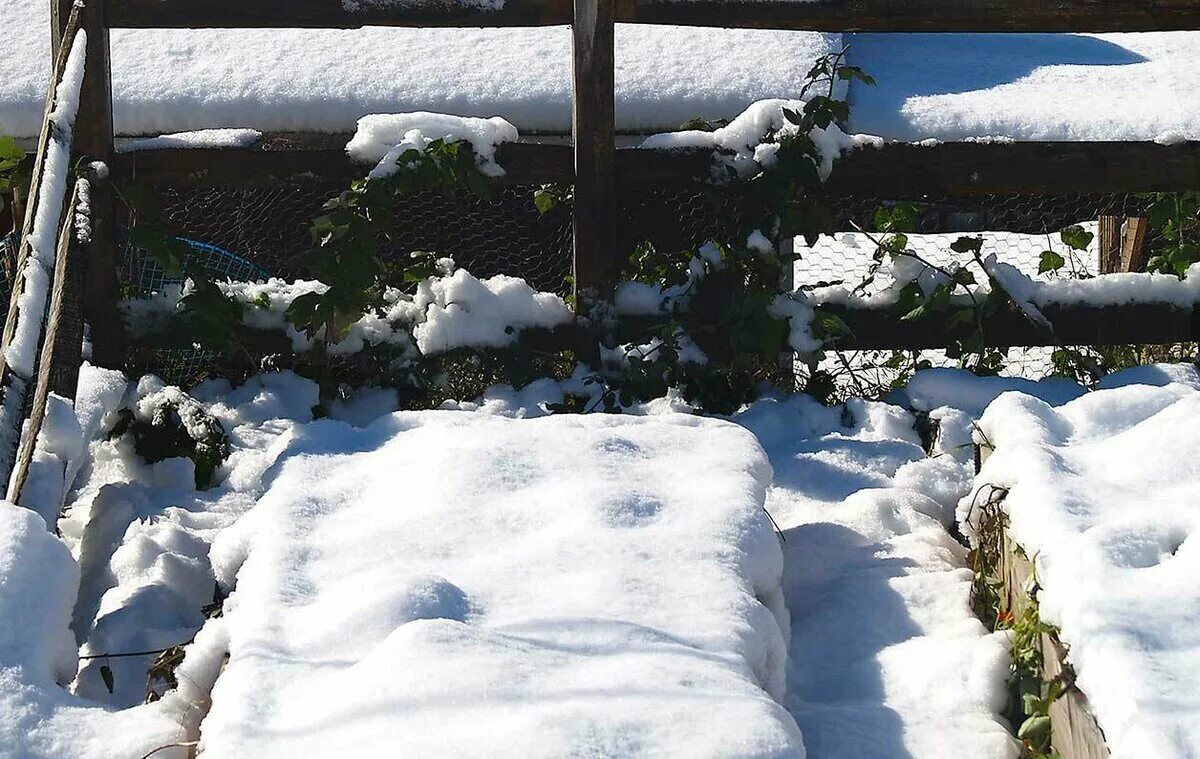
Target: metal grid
[{"x": 258, "y": 232}]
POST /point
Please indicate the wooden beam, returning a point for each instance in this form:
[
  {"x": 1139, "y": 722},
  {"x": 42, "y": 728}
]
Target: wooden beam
[
  {"x": 1109, "y": 244},
  {"x": 814, "y": 15},
  {"x": 1133, "y": 247},
  {"x": 896, "y": 171},
  {"x": 962, "y": 169},
  {"x": 594, "y": 210},
  {"x": 927, "y": 15},
  {"x": 333, "y": 14},
  {"x": 1134, "y": 323},
  {"x": 94, "y": 141}
]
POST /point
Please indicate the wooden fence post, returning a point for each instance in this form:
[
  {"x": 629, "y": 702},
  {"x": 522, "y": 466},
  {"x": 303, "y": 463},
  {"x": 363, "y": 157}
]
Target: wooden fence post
[
  {"x": 1133, "y": 247},
  {"x": 596, "y": 265},
  {"x": 1110, "y": 244},
  {"x": 94, "y": 140}
]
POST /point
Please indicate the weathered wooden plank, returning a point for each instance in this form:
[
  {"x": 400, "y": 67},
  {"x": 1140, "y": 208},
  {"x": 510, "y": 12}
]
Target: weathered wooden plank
[
  {"x": 1109, "y": 244},
  {"x": 1073, "y": 325},
  {"x": 594, "y": 210},
  {"x": 963, "y": 169},
  {"x": 94, "y": 141},
  {"x": 1074, "y": 732},
  {"x": 818, "y": 15},
  {"x": 927, "y": 15},
  {"x": 897, "y": 170},
  {"x": 1133, "y": 247},
  {"x": 333, "y": 14},
  {"x": 54, "y": 354}
]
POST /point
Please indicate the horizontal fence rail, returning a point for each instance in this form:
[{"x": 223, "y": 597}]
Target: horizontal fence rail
[
  {"x": 815, "y": 15},
  {"x": 897, "y": 170}
]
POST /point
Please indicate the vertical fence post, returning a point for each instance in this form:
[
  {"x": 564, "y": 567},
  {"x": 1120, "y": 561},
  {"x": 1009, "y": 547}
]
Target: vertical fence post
[
  {"x": 94, "y": 140},
  {"x": 1110, "y": 244},
  {"x": 592, "y": 125}
]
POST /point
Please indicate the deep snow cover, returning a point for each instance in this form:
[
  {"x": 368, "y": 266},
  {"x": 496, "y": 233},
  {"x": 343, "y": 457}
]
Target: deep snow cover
[
  {"x": 1103, "y": 496},
  {"x": 326, "y": 79},
  {"x": 886, "y": 657},
  {"x": 472, "y": 579},
  {"x": 598, "y": 585}
]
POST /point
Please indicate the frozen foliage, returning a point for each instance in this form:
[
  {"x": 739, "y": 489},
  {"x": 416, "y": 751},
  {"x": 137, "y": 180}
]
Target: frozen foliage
[
  {"x": 43, "y": 239},
  {"x": 382, "y": 138},
  {"x": 39, "y": 719},
  {"x": 562, "y": 593},
  {"x": 1028, "y": 86},
  {"x": 886, "y": 657},
  {"x": 204, "y": 138},
  {"x": 325, "y": 80},
  {"x": 452, "y": 310},
  {"x": 1103, "y": 494},
  {"x": 744, "y": 143}
]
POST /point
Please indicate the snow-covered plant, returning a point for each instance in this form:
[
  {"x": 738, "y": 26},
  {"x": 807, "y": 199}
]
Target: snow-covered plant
[{"x": 168, "y": 423}]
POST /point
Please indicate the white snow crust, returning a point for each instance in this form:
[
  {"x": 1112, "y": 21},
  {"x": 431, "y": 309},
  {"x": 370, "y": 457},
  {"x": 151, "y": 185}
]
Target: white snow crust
[
  {"x": 1103, "y": 495},
  {"x": 168, "y": 81},
  {"x": 382, "y": 138},
  {"x": 516, "y": 588},
  {"x": 887, "y": 659},
  {"x": 1028, "y": 86}
]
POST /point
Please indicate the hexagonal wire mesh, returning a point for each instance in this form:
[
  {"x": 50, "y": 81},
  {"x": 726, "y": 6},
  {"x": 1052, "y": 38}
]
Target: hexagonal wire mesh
[{"x": 266, "y": 228}]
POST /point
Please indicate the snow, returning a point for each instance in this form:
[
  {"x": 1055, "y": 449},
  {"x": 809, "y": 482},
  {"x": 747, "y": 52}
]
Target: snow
[
  {"x": 38, "y": 718},
  {"x": 43, "y": 238},
  {"x": 1028, "y": 86},
  {"x": 744, "y": 144},
  {"x": 886, "y": 658},
  {"x": 382, "y": 138},
  {"x": 562, "y": 592},
  {"x": 930, "y": 389},
  {"x": 1102, "y": 494},
  {"x": 201, "y": 139},
  {"x": 453, "y": 309},
  {"x": 168, "y": 81}
]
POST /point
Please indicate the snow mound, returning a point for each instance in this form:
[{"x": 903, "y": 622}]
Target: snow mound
[
  {"x": 1104, "y": 494},
  {"x": 887, "y": 659},
  {"x": 462, "y": 584},
  {"x": 382, "y": 138},
  {"x": 38, "y": 717}
]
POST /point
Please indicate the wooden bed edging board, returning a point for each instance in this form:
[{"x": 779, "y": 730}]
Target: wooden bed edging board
[{"x": 1074, "y": 731}]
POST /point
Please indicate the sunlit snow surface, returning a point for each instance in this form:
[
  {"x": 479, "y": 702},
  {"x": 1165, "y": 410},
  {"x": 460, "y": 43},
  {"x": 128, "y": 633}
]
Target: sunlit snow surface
[{"x": 1104, "y": 496}]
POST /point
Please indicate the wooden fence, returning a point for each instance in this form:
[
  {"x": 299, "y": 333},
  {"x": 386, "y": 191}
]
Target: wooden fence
[{"x": 594, "y": 164}]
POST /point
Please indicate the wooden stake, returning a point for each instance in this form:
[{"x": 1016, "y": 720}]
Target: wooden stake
[
  {"x": 1133, "y": 248},
  {"x": 1110, "y": 244},
  {"x": 595, "y": 234}
]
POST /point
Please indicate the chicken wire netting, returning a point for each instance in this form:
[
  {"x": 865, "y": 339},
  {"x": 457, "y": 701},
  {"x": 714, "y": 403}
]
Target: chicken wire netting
[{"x": 252, "y": 232}]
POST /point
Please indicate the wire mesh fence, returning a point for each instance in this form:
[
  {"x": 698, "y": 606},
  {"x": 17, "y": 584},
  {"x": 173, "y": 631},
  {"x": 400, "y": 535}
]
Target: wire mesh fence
[{"x": 254, "y": 233}]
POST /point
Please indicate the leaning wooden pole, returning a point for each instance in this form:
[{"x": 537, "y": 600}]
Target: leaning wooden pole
[
  {"x": 592, "y": 125},
  {"x": 35, "y": 257}
]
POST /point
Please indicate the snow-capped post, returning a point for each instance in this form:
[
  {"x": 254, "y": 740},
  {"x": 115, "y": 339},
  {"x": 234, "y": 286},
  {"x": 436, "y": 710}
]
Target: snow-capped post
[
  {"x": 94, "y": 141},
  {"x": 592, "y": 128}
]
